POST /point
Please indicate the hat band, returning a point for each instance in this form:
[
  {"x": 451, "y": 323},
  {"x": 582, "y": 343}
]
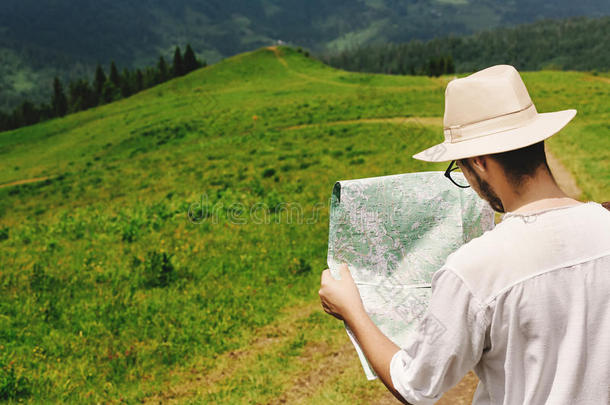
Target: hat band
[{"x": 459, "y": 133}]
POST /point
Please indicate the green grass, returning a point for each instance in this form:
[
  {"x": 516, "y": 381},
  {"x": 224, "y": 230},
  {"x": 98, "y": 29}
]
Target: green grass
[
  {"x": 115, "y": 284},
  {"x": 584, "y": 145}
]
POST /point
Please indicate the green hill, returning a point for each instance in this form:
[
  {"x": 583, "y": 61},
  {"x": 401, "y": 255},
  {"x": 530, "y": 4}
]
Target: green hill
[{"x": 116, "y": 286}]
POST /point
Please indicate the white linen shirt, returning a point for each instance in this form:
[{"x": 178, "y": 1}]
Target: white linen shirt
[{"x": 527, "y": 306}]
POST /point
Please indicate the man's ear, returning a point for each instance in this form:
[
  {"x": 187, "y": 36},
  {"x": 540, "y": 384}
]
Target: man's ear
[{"x": 479, "y": 163}]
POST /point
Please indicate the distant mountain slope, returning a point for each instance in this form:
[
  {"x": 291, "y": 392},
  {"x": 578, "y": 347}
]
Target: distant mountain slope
[
  {"x": 67, "y": 37},
  {"x": 135, "y": 31},
  {"x": 570, "y": 44}
]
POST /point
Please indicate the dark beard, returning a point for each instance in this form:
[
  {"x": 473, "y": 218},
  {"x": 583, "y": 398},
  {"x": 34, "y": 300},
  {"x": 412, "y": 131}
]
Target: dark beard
[
  {"x": 488, "y": 194},
  {"x": 491, "y": 197},
  {"x": 485, "y": 189}
]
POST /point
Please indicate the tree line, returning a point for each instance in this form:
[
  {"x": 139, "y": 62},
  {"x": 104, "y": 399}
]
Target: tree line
[
  {"x": 104, "y": 88},
  {"x": 570, "y": 44}
]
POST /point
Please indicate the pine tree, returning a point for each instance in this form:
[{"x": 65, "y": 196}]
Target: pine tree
[
  {"x": 449, "y": 65},
  {"x": 162, "y": 70},
  {"x": 139, "y": 81},
  {"x": 151, "y": 77},
  {"x": 110, "y": 92},
  {"x": 45, "y": 112},
  {"x": 4, "y": 122},
  {"x": 59, "y": 101},
  {"x": 115, "y": 78},
  {"x": 126, "y": 84},
  {"x": 100, "y": 79},
  {"x": 26, "y": 114},
  {"x": 190, "y": 61},
  {"x": 178, "y": 67},
  {"x": 74, "y": 96},
  {"x": 81, "y": 96}
]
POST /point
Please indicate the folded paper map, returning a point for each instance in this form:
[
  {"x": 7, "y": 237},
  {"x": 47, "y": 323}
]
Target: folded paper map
[{"x": 394, "y": 232}]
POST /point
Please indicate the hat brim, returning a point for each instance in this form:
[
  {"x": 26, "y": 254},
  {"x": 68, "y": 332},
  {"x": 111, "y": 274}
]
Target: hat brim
[{"x": 538, "y": 129}]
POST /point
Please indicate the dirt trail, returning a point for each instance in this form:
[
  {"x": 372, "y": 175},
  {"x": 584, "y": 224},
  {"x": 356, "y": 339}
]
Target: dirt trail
[
  {"x": 599, "y": 79},
  {"x": 307, "y": 383},
  {"x": 277, "y": 55},
  {"x": 229, "y": 363},
  {"x": 563, "y": 177},
  {"x": 304, "y": 76},
  {"x": 321, "y": 361},
  {"x": 281, "y": 60},
  {"x": 392, "y": 120},
  {"x": 24, "y": 181}
]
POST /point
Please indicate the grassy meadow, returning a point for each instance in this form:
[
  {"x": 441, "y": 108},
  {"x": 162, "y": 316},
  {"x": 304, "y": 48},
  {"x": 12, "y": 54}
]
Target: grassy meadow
[{"x": 172, "y": 246}]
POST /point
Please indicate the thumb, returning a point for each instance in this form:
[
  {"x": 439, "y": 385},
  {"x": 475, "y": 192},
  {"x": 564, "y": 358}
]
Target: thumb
[{"x": 344, "y": 271}]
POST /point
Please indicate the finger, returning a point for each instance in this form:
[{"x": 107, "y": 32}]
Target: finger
[
  {"x": 323, "y": 276},
  {"x": 330, "y": 312},
  {"x": 344, "y": 270}
]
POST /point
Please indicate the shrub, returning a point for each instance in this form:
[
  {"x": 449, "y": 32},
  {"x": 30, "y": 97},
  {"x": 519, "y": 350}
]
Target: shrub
[
  {"x": 3, "y": 233},
  {"x": 274, "y": 201},
  {"x": 269, "y": 172},
  {"x": 130, "y": 231},
  {"x": 12, "y": 385},
  {"x": 40, "y": 281},
  {"x": 299, "y": 266},
  {"x": 159, "y": 270},
  {"x": 257, "y": 188}
]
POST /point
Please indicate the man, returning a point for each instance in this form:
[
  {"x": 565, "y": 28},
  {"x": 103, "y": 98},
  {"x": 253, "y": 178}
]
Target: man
[{"x": 526, "y": 305}]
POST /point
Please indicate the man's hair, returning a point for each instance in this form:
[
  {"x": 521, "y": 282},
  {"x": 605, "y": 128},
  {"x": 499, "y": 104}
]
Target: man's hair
[{"x": 519, "y": 164}]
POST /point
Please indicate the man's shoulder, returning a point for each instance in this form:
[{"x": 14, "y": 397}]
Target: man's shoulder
[
  {"x": 521, "y": 246},
  {"x": 479, "y": 251}
]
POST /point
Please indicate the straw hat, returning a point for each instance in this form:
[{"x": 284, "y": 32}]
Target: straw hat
[{"x": 491, "y": 111}]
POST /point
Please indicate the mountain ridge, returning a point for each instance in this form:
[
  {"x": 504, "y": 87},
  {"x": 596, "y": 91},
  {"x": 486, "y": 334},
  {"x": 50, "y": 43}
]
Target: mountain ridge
[{"x": 43, "y": 39}]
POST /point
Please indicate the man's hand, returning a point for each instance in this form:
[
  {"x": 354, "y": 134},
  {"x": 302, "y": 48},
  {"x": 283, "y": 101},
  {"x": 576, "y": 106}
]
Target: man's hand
[{"x": 340, "y": 298}]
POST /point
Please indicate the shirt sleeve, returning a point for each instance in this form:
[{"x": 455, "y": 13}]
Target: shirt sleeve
[{"x": 446, "y": 345}]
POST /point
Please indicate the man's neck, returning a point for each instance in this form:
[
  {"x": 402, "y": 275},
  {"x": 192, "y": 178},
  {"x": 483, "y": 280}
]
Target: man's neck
[
  {"x": 538, "y": 193},
  {"x": 546, "y": 203}
]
